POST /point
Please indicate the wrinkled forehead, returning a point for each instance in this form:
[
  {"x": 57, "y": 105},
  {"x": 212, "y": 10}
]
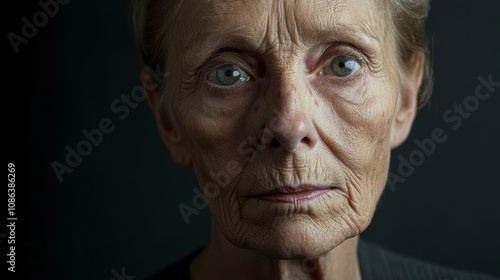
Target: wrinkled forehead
[{"x": 205, "y": 25}]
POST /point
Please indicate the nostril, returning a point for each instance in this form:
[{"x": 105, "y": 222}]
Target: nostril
[
  {"x": 295, "y": 132},
  {"x": 307, "y": 141}
]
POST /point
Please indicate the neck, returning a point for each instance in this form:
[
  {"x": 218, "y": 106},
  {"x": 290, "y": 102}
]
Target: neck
[{"x": 222, "y": 260}]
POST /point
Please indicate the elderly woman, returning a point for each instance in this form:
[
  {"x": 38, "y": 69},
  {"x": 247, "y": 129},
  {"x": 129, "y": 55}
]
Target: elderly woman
[{"x": 287, "y": 111}]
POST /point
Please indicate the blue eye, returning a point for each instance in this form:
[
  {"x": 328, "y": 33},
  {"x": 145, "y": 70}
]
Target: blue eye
[
  {"x": 343, "y": 66},
  {"x": 228, "y": 75}
]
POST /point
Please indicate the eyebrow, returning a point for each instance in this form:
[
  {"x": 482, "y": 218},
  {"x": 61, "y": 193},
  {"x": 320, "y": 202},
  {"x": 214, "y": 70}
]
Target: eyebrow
[
  {"x": 196, "y": 51},
  {"x": 363, "y": 38}
]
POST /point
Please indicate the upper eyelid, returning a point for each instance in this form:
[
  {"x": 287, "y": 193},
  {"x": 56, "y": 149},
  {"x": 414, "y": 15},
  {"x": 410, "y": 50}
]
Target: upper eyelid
[
  {"x": 194, "y": 77},
  {"x": 220, "y": 60},
  {"x": 331, "y": 51},
  {"x": 369, "y": 60},
  {"x": 345, "y": 51}
]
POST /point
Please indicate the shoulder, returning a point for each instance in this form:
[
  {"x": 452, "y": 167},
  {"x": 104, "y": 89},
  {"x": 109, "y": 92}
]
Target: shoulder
[
  {"x": 379, "y": 263},
  {"x": 178, "y": 270}
]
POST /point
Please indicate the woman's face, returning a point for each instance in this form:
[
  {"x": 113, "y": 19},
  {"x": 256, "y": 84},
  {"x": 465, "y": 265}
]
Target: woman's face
[{"x": 287, "y": 111}]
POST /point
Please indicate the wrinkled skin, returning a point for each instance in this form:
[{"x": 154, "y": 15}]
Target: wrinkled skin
[{"x": 292, "y": 122}]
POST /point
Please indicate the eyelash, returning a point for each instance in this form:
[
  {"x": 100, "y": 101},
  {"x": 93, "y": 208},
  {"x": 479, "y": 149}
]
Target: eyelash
[
  {"x": 342, "y": 51},
  {"x": 218, "y": 61},
  {"x": 213, "y": 64}
]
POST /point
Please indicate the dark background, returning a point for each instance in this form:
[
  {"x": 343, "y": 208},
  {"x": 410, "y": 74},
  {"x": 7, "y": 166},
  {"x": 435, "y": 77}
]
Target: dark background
[{"x": 118, "y": 208}]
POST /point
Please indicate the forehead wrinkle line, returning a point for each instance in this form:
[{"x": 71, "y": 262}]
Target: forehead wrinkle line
[
  {"x": 198, "y": 36},
  {"x": 288, "y": 27},
  {"x": 335, "y": 28},
  {"x": 361, "y": 29}
]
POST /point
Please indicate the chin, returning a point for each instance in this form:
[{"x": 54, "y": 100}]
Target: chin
[{"x": 297, "y": 239}]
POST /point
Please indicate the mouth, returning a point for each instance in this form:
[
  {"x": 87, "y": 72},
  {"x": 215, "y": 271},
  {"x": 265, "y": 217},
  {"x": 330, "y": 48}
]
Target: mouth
[{"x": 302, "y": 193}]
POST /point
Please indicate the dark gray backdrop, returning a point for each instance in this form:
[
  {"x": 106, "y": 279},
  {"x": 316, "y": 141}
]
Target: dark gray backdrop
[{"x": 118, "y": 208}]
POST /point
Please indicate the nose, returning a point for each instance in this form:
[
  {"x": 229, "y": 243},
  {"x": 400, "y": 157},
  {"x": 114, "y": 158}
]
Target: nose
[{"x": 291, "y": 125}]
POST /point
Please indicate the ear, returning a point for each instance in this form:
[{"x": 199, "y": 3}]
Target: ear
[
  {"x": 406, "y": 108},
  {"x": 165, "y": 121}
]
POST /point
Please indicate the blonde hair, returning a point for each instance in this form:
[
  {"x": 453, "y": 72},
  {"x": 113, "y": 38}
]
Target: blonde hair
[{"x": 152, "y": 21}]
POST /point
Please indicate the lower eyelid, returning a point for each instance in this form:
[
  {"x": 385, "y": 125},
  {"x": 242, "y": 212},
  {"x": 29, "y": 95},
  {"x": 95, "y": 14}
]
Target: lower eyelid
[{"x": 234, "y": 90}]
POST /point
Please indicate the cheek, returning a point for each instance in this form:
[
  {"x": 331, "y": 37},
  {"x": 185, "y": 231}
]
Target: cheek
[
  {"x": 212, "y": 128},
  {"x": 356, "y": 132},
  {"x": 220, "y": 147},
  {"x": 356, "y": 121}
]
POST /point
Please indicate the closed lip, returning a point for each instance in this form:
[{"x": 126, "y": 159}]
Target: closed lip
[{"x": 301, "y": 193}]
